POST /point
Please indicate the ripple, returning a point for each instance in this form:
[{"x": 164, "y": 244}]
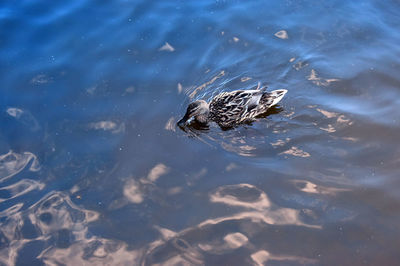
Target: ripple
[
  {"x": 262, "y": 256},
  {"x": 282, "y": 34},
  {"x": 15, "y": 112},
  {"x": 107, "y": 125},
  {"x": 235, "y": 240},
  {"x": 297, "y": 152},
  {"x": 263, "y": 206},
  {"x": 166, "y": 47},
  {"x": 54, "y": 221},
  {"x": 227, "y": 244},
  {"x": 204, "y": 85},
  {"x": 217, "y": 236},
  {"x": 313, "y": 77},
  {"x": 243, "y": 195},
  {"x": 135, "y": 190},
  {"x": 171, "y": 124},
  {"x": 309, "y": 187},
  {"x": 41, "y": 79},
  {"x": 92, "y": 251},
  {"x": 20, "y": 188},
  {"x": 12, "y": 210},
  {"x": 13, "y": 163},
  {"x": 24, "y": 117},
  {"x": 157, "y": 171}
]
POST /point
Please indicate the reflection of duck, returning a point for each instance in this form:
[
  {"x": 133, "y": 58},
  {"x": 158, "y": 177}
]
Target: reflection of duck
[{"x": 228, "y": 109}]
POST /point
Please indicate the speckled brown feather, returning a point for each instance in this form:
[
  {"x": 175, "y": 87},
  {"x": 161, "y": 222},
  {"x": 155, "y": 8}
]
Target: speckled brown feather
[{"x": 231, "y": 108}]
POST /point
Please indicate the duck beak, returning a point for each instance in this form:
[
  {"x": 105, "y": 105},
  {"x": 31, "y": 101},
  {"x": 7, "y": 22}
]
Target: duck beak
[{"x": 182, "y": 122}]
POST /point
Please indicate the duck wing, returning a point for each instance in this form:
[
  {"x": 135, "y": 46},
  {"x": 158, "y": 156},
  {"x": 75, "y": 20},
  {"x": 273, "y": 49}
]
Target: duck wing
[
  {"x": 233, "y": 107},
  {"x": 269, "y": 99}
]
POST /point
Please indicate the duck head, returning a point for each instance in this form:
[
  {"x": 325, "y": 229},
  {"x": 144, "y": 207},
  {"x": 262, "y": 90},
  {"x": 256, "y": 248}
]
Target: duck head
[{"x": 197, "y": 111}]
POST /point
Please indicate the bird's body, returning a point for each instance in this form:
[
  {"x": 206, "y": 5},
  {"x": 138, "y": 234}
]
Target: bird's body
[{"x": 228, "y": 109}]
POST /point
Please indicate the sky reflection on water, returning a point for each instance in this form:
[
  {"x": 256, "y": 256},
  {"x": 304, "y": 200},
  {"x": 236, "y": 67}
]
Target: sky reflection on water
[{"x": 94, "y": 171}]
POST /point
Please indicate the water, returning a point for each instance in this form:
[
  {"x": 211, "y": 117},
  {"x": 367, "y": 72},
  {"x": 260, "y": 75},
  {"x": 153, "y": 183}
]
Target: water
[{"x": 93, "y": 169}]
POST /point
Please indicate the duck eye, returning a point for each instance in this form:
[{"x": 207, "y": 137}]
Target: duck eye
[{"x": 192, "y": 106}]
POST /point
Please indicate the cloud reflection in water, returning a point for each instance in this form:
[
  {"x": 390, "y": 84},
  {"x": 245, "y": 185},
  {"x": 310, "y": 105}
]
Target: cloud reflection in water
[
  {"x": 24, "y": 117},
  {"x": 12, "y": 163},
  {"x": 134, "y": 190},
  {"x": 222, "y": 235},
  {"x": 63, "y": 228},
  {"x": 54, "y": 221}
]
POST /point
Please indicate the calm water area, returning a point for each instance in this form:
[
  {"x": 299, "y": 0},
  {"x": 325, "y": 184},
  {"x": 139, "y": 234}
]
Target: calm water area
[{"x": 94, "y": 170}]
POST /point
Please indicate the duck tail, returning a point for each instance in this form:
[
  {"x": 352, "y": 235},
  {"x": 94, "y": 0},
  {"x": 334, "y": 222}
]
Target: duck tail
[{"x": 273, "y": 97}]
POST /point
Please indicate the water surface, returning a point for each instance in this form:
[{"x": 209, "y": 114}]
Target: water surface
[{"x": 93, "y": 169}]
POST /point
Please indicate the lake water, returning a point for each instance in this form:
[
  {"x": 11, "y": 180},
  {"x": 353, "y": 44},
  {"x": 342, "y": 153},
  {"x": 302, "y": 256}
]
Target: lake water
[{"x": 94, "y": 171}]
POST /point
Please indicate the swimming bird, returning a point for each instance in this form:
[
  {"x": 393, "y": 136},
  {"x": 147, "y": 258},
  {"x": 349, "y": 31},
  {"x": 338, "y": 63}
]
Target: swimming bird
[{"x": 229, "y": 109}]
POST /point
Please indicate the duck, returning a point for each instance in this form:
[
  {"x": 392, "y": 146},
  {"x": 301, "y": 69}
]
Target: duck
[{"x": 229, "y": 109}]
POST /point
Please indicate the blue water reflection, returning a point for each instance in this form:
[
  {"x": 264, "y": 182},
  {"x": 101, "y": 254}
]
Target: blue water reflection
[{"x": 93, "y": 169}]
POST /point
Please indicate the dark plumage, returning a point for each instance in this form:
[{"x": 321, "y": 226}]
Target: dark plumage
[{"x": 228, "y": 109}]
